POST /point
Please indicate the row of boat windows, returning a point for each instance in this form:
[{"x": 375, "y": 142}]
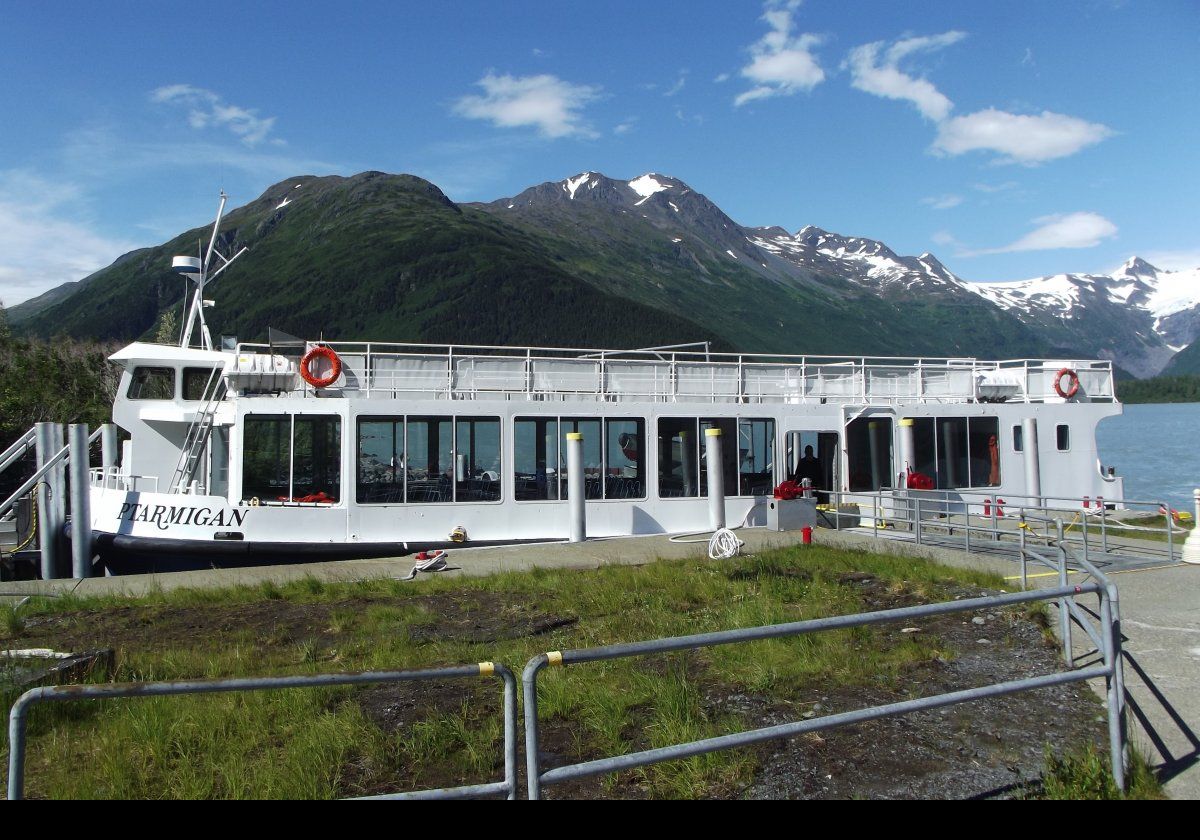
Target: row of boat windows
[
  {"x": 955, "y": 452},
  {"x": 418, "y": 459},
  {"x": 158, "y": 383}
]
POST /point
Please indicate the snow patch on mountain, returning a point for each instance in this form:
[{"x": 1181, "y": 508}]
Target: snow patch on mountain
[
  {"x": 647, "y": 185},
  {"x": 573, "y": 184}
]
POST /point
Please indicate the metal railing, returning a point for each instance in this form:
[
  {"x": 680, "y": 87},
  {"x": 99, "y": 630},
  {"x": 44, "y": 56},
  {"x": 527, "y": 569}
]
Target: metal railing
[
  {"x": 1107, "y": 634},
  {"x": 32, "y": 481},
  {"x": 494, "y": 372},
  {"x": 18, "y": 714},
  {"x": 974, "y": 520}
]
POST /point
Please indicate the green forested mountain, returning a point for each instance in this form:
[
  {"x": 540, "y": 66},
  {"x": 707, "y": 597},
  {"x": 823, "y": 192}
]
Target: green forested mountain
[{"x": 373, "y": 257}]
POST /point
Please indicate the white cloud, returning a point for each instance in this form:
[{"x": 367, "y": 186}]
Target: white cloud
[
  {"x": 992, "y": 189},
  {"x": 877, "y": 71},
  {"x": 208, "y": 109},
  {"x": 1173, "y": 260},
  {"x": 945, "y": 238},
  {"x": 1027, "y": 139},
  {"x": 679, "y": 84},
  {"x": 44, "y": 239},
  {"x": 544, "y": 102},
  {"x": 105, "y": 153},
  {"x": 1069, "y": 230},
  {"x": 781, "y": 64},
  {"x": 942, "y": 202}
]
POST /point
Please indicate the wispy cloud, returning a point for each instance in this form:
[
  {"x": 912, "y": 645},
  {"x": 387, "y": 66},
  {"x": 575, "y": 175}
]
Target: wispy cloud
[
  {"x": 1019, "y": 138},
  {"x": 107, "y": 153},
  {"x": 549, "y": 104},
  {"x": 876, "y": 70},
  {"x": 781, "y": 64},
  {"x": 1174, "y": 260},
  {"x": 942, "y": 202},
  {"x": 1027, "y": 139},
  {"x": 45, "y": 237},
  {"x": 992, "y": 189},
  {"x": 207, "y": 109},
  {"x": 1065, "y": 230}
]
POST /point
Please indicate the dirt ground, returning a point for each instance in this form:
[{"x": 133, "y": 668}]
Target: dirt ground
[{"x": 992, "y": 748}]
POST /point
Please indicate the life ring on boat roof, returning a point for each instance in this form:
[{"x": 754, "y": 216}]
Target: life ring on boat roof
[
  {"x": 1072, "y": 389},
  {"x": 320, "y": 352}
]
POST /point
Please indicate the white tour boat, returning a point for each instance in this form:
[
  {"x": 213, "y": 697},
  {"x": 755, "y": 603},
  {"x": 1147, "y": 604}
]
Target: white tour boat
[{"x": 245, "y": 454}]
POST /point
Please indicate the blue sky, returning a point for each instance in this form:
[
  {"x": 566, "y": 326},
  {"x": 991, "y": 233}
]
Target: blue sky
[{"x": 1010, "y": 139}]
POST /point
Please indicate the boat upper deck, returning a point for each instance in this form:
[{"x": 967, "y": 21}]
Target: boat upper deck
[{"x": 455, "y": 372}]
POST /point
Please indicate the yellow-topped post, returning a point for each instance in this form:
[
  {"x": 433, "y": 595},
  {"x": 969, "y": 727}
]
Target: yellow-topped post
[
  {"x": 576, "y": 489},
  {"x": 716, "y": 478}
]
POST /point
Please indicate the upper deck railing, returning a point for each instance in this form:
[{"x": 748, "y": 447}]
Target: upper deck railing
[{"x": 424, "y": 371}]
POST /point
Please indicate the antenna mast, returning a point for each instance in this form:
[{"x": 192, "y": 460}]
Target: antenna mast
[{"x": 197, "y": 269}]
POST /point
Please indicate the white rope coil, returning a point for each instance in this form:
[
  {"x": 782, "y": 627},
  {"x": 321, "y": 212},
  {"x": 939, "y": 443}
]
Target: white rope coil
[{"x": 724, "y": 544}]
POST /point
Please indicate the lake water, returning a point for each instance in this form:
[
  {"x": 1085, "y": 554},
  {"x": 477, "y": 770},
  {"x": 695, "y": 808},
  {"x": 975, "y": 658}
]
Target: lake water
[{"x": 1157, "y": 449}]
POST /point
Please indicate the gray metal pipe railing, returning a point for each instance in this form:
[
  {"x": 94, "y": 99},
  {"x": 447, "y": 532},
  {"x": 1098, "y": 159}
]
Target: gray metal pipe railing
[
  {"x": 19, "y": 449},
  {"x": 32, "y": 481},
  {"x": 17, "y": 717},
  {"x": 536, "y": 778}
]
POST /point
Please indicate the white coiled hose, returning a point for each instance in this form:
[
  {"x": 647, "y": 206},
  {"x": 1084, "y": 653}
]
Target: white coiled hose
[{"x": 724, "y": 544}]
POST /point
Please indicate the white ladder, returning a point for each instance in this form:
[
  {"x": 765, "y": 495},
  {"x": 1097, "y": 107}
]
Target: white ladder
[{"x": 196, "y": 441}]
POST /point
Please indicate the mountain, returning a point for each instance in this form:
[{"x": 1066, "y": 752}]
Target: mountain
[
  {"x": 1138, "y": 316},
  {"x": 596, "y": 261},
  {"x": 372, "y": 257},
  {"x": 656, "y": 239}
]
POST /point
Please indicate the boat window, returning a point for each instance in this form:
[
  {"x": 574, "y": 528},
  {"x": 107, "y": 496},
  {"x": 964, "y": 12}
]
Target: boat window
[
  {"x": 266, "y": 457},
  {"x": 380, "y": 461},
  {"x": 869, "y": 453},
  {"x": 983, "y": 448},
  {"x": 428, "y": 459},
  {"x": 316, "y": 458},
  {"x": 593, "y": 466},
  {"x": 429, "y": 450},
  {"x": 756, "y": 457},
  {"x": 958, "y": 452},
  {"x": 747, "y": 456},
  {"x": 677, "y": 457},
  {"x": 477, "y": 459},
  {"x": 1064, "y": 438},
  {"x": 152, "y": 383},
  {"x": 625, "y": 459},
  {"x": 200, "y": 383},
  {"x": 535, "y": 458},
  {"x": 1018, "y": 439},
  {"x": 291, "y": 458}
]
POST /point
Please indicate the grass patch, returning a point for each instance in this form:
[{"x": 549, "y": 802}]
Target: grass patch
[
  {"x": 330, "y": 743},
  {"x": 1085, "y": 774}
]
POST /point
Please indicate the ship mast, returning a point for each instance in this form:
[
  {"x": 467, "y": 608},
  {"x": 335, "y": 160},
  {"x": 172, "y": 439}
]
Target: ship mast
[{"x": 197, "y": 269}]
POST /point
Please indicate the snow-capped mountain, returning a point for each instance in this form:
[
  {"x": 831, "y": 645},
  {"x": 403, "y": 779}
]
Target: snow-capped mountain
[
  {"x": 1138, "y": 316},
  {"x": 1160, "y": 308},
  {"x": 863, "y": 261}
]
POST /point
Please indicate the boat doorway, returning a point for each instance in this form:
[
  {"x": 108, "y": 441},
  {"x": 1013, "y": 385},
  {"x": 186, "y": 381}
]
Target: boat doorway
[{"x": 814, "y": 455}]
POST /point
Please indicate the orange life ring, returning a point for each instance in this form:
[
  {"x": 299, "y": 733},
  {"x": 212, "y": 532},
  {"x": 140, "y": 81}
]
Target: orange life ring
[
  {"x": 321, "y": 352},
  {"x": 1072, "y": 390}
]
